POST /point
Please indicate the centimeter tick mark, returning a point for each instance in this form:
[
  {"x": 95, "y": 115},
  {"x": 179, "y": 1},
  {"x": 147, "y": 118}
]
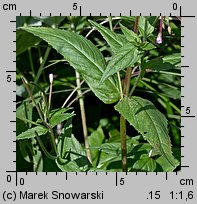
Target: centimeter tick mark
[
  {"x": 116, "y": 178},
  {"x": 166, "y": 176},
  {"x": 10, "y": 71},
  {"x": 185, "y": 166}
]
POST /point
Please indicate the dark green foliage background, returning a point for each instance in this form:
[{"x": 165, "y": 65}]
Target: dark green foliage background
[{"x": 161, "y": 88}]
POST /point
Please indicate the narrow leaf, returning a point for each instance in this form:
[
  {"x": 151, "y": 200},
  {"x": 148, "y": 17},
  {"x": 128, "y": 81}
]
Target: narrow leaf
[
  {"x": 30, "y": 133},
  {"x": 116, "y": 41},
  {"x": 59, "y": 117},
  {"x": 127, "y": 56},
  {"x": 158, "y": 64},
  {"x": 129, "y": 34},
  {"x": 174, "y": 59},
  {"x": 95, "y": 139},
  {"x": 84, "y": 56},
  {"x": 152, "y": 124},
  {"x": 145, "y": 28}
]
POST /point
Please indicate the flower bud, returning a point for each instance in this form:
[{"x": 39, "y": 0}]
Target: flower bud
[{"x": 159, "y": 38}]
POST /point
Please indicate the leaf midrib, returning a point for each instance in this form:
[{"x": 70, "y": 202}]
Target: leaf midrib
[
  {"x": 76, "y": 48},
  {"x": 160, "y": 143}
]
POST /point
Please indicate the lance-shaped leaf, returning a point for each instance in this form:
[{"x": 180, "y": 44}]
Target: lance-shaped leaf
[
  {"x": 145, "y": 25},
  {"x": 116, "y": 41},
  {"x": 82, "y": 55},
  {"x": 158, "y": 64},
  {"x": 30, "y": 133},
  {"x": 127, "y": 56},
  {"x": 151, "y": 123},
  {"x": 174, "y": 59},
  {"x": 129, "y": 34}
]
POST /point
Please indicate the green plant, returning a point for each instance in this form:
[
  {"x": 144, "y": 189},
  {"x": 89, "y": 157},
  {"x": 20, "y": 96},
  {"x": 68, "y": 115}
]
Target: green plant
[{"x": 133, "y": 54}]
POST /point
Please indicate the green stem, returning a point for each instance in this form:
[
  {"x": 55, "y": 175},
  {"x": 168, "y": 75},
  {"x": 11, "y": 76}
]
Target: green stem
[
  {"x": 83, "y": 116},
  {"x": 32, "y": 98},
  {"x": 31, "y": 62},
  {"x": 42, "y": 66},
  {"x": 50, "y": 96},
  {"x": 52, "y": 140},
  {"x": 127, "y": 81},
  {"x": 120, "y": 85},
  {"x": 110, "y": 23},
  {"x": 43, "y": 148},
  {"x": 135, "y": 84},
  {"x": 126, "y": 88}
]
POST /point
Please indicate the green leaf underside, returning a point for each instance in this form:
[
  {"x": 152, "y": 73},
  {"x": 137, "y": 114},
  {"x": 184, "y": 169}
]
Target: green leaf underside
[
  {"x": 82, "y": 55},
  {"x": 30, "y": 133},
  {"x": 116, "y": 41},
  {"x": 127, "y": 56},
  {"x": 152, "y": 124}
]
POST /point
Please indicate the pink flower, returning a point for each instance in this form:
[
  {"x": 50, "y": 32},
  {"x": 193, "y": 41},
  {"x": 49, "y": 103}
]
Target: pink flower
[{"x": 159, "y": 38}]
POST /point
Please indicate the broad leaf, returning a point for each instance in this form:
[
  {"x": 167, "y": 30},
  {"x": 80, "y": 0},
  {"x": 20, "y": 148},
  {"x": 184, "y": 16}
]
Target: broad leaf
[
  {"x": 151, "y": 123},
  {"x": 116, "y": 41},
  {"x": 127, "y": 56},
  {"x": 145, "y": 164},
  {"x": 30, "y": 133},
  {"x": 84, "y": 56}
]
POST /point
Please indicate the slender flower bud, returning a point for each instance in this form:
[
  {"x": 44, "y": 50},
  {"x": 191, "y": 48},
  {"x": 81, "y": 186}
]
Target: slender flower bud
[
  {"x": 159, "y": 38},
  {"x": 51, "y": 78}
]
